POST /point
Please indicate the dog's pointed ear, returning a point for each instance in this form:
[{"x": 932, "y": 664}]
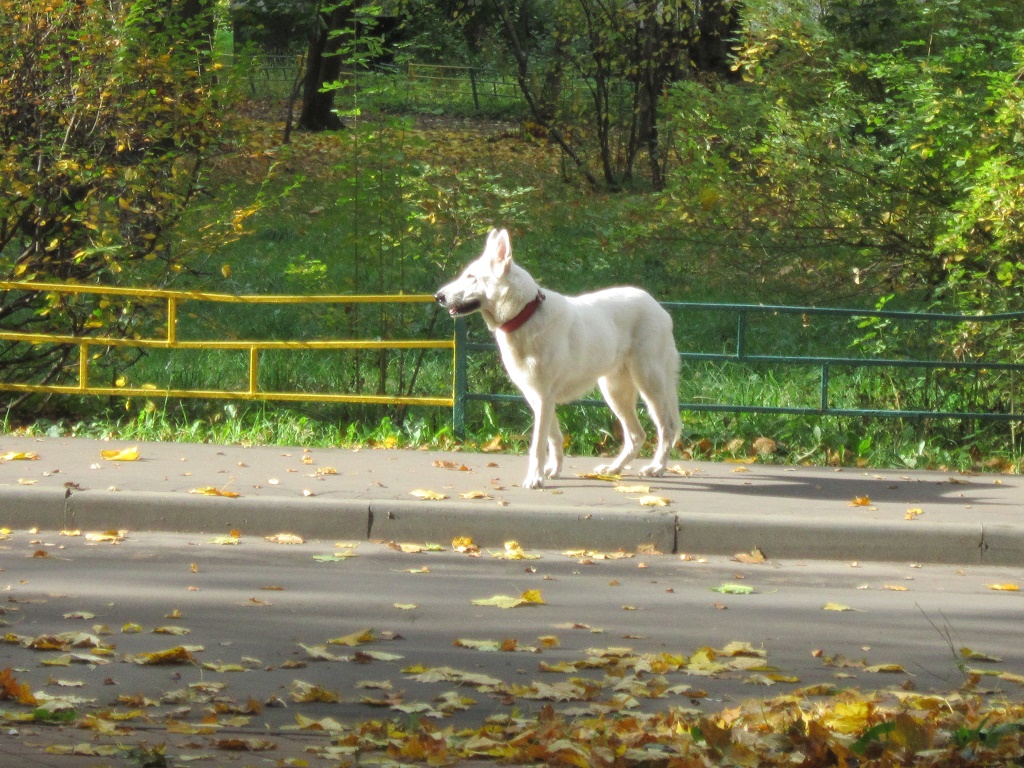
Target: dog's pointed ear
[{"x": 501, "y": 255}]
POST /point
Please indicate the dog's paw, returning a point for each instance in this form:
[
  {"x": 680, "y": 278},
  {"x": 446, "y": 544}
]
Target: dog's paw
[
  {"x": 607, "y": 469},
  {"x": 552, "y": 470},
  {"x": 652, "y": 470},
  {"x": 534, "y": 480}
]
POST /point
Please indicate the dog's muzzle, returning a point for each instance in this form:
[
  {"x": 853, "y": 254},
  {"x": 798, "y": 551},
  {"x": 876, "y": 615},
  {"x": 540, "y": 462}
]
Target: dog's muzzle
[{"x": 456, "y": 310}]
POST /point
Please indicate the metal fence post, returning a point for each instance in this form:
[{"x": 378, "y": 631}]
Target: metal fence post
[{"x": 459, "y": 396}]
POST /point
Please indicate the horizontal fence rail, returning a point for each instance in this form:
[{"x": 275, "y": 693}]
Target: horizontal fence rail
[
  {"x": 253, "y": 348},
  {"x": 737, "y": 346},
  {"x": 740, "y": 353}
]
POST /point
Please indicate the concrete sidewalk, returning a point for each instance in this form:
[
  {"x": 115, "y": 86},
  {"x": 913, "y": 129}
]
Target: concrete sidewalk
[{"x": 714, "y": 508}]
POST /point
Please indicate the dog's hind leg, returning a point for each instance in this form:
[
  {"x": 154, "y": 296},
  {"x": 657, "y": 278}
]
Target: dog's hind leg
[
  {"x": 620, "y": 393},
  {"x": 556, "y": 450},
  {"x": 664, "y": 412}
]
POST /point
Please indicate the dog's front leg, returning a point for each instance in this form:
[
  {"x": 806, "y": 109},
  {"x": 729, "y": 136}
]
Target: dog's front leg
[{"x": 543, "y": 418}]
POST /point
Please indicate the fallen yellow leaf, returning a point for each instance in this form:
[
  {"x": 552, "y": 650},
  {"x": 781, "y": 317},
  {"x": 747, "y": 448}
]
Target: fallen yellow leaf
[
  {"x": 20, "y": 456},
  {"x": 836, "y": 607},
  {"x": 444, "y": 464},
  {"x": 633, "y": 488},
  {"x": 1004, "y": 587},
  {"x": 753, "y": 557},
  {"x": 226, "y": 540},
  {"x": 209, "y": 490},
  {"x": 181, "y": 654},
  {"x": 125, "y": 454},
  {"x": 111, "y": 537},
  {"x": 354, "y": 639},
  {"x": 529, "y": 597},
  {"x": 285, "y": 538},
  {"x": 654, "y": 501},
  {"x": 427, "y": 495},
  {"x": 860, "y": 501},
  {"x": 913, "y": 514}
]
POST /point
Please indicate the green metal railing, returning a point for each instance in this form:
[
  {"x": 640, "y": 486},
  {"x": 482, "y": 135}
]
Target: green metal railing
[
  {"x": 739, "y": 352},
  {"x": 734, "y": 328}
]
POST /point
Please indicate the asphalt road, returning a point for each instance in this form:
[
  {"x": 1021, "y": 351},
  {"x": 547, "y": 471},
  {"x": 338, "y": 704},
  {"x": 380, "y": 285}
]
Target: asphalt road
[{"x": 251, "y": 606}]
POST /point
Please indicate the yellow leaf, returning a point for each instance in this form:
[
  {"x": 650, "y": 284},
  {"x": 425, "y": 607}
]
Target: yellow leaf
[
  {"x": 754, "y": 557},
  {"x": 493, "y": 446},
  {"x": 643, "y": 489},
  {"x": 110, "y": 537},
  {"x": 305, "y": 693},
  {"x": 181, "y": 654},
  {"x": 913, "y": 514},
  {"x": 171, "y": 631},
  {"x": 464, "y": 544},
  {"x": 125, "y": 454},
  {"x": 227, "y": 540},
  {"x": 654, "y": 501},
  {"x": 209, "y": 490},
  {"x": 513, "y": 551},
  {"x": 969, "y": 653},
  {"x": 445, "y": 464},
  {"x": 356, "y": 638},
  {"x": 1004, "y": 587},
  {"x": 405, "y": 606},
  {"x": 885, "y": 668},
  {"x": 596, "y": 476},
  {"x": 474, "y": 495},
  {"x": 285, "y": 538},
  {"x": 849, "y": 717},
  {"x": 20, "y": 456},
  {"x": 427, "y": 495},
  {"x": 860, "y": 501},
  {"x": 226, "y": 270},
  {"x": 836, "y": 607},
  {"x": 529, "y": 597}
]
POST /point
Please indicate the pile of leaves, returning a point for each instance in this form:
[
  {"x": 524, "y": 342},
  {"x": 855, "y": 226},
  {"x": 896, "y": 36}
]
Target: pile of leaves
[{"x": 803, "y": 728}]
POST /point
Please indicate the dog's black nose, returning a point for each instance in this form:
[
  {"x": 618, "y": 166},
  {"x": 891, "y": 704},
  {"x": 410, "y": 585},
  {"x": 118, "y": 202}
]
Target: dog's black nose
[{"x": 439, "y": 298}]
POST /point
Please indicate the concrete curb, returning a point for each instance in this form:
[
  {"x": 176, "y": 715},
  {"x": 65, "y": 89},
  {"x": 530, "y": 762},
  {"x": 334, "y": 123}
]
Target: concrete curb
[{"x": 534, "y": 527}]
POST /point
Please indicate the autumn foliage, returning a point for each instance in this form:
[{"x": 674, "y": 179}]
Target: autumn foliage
[{"x": 108, "y": 113}]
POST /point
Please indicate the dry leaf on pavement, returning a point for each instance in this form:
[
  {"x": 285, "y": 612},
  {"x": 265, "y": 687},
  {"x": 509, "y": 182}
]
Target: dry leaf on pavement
[
  {"x": 285, "y": 538},
  {"x": 529, "y": 597},
  {"x": 427, "y": 495},
  {"x": 209, "y": 490},
  {"x": 124, "y": 454}
]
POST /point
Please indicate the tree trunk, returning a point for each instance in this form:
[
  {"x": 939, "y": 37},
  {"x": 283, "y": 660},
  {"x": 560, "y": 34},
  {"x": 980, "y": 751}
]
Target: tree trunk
[
  {"x": 717, "y": 27},
  {"x": 323, "y": 65}
]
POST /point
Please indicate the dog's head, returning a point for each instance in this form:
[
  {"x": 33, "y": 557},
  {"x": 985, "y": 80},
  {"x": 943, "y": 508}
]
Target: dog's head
[{"x": 483, "y": 284}]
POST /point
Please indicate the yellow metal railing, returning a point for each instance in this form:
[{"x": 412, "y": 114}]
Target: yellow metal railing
[{"x": 170, "y": 341}]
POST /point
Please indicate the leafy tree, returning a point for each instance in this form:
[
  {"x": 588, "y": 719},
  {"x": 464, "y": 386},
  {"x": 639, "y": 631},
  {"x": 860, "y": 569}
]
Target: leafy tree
[
  {"x": 861, "y": 161},
  {"x": 619, "y": 56},
  {"x": 108, "y": 116}
]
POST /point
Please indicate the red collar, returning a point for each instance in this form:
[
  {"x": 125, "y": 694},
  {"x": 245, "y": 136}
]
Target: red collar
[{"x": 525, "y": 314}]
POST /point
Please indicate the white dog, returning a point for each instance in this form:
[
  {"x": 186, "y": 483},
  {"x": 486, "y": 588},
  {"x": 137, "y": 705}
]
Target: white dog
[{"x": 556, "y": 347}]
